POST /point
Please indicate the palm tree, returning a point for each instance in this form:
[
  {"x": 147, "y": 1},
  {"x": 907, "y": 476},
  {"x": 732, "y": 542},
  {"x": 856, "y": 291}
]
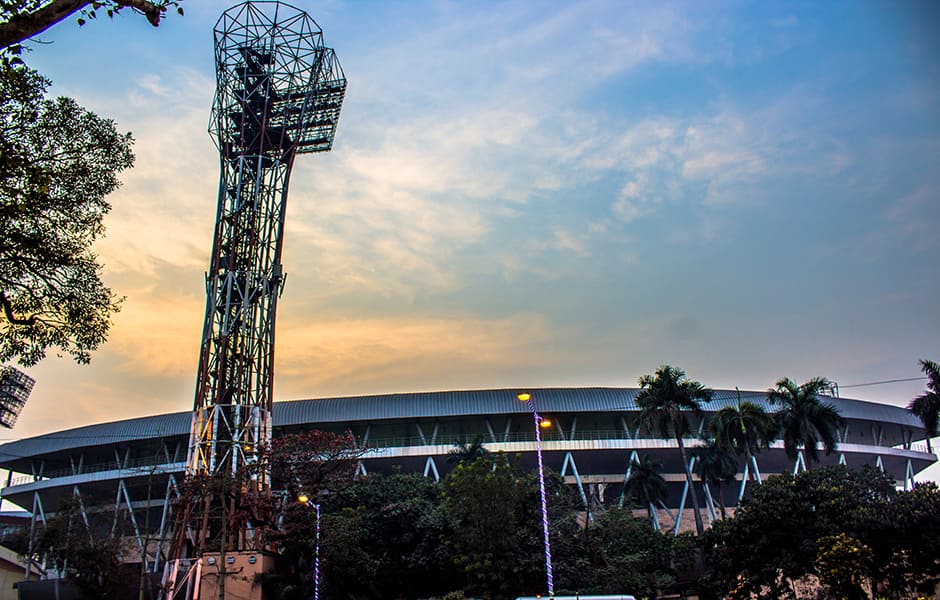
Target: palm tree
[
  {"x": 666, "y": 399},
  {"x": 715, "y": 466},
  {"x": 804, "y": 419},
  {"x": 647, "y": 484},
  {"x": 927, "y": 405},
  {"x": 744, "y": 429},
  {"x": 464, "y": 453}
]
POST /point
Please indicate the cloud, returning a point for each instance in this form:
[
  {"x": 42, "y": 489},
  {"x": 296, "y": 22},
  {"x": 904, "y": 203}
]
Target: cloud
[
  {"x": 911, "y": 221},
  {"x": 357, "y": 355},
  {"x": 164, "y": 210}
]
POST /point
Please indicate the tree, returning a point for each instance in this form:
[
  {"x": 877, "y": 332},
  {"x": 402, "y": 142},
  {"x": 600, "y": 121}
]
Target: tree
[
  {"x": 314, "y": 462},
  {"x": 625, "y": 554},
  {"x": 319, "y": 465},
  {"x": 904, "y": 539},
  {"x": 927, "y": 405},
  {"x": 58, "y": 161},
  {"x": 393, "y": 525},
  {"x": 646, "y": 484},
  {"x": 844, "y": 564},
  {"x": 494, "y": 538},
  {"x": 76, "y": 544},
  {"x": 23, "y": 19},
  {"x": 715, "y": 466},
  {"x": 666, "y": 399},
  {"x": 804, "y": 419},
  {"x": 744, "y": 429}
]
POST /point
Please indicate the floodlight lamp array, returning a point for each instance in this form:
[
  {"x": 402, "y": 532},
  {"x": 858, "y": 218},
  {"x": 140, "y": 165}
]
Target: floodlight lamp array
[
  {"x": 15, "y": 387},
  {"x": 279, "y": 90}
]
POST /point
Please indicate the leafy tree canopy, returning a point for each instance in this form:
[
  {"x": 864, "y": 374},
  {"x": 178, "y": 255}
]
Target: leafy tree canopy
[
  {"x": 773, "y": 539},
  {"x": 495, "y": 538},
  {"x": 58, "y": 161}
]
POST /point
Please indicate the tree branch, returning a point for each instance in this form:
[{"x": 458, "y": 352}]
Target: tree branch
[
  {"x": 26, "y": 25},
  {"x": 151, "y": 10},
  {"x": 29, "y": 24}
]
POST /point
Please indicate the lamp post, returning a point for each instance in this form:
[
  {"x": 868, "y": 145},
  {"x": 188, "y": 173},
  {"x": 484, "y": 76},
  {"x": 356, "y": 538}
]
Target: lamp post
[
  {"x": 305, "y": 500},
  {"x": 541, "y": 422}
]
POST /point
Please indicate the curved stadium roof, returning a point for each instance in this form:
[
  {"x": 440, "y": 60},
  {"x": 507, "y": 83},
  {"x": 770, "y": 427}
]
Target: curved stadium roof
[{"x": 410, "y": 406}]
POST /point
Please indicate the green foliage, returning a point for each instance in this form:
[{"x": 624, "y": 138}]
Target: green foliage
[
  {"x": 843, "y": 564},
  {"x": 772, "y": 540},
  {"x": 393, "y": 525},
  {"x": 494, "y": 537},
  {"x": 905, "y": 538},
  {"x": 58, "y": 161},
  {"x": 626, "y": 555},
  {"x": 478, "y": 532}
]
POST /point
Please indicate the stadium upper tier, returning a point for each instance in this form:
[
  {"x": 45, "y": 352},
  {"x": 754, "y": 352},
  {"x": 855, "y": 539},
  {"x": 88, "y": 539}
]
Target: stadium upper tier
[{"x": 592, "y": 441}]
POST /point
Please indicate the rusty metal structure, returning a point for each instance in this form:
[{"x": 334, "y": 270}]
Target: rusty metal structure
[{"x": 279, "y": 92}]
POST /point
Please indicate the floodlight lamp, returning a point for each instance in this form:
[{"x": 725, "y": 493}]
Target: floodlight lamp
[
  {"x": 303, "y": 498},
  {"x": 544, "y": 423},
  {"x": 523, "y": 396}
]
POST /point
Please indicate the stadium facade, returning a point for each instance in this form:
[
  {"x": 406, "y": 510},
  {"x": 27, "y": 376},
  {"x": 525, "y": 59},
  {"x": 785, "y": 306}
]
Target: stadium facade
[{"x": 132, "y": 467}]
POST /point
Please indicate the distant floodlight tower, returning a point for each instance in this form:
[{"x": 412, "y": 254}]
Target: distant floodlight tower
[
  {"x": 279, "y": 91},
  {"x": 15, "y": 387}
]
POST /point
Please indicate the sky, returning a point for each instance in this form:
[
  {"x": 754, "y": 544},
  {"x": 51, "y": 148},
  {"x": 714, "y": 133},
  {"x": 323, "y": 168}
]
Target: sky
[{"x": 538, "y": 193}]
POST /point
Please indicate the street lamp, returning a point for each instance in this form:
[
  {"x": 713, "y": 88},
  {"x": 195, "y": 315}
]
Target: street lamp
[
  {"x": 305, "y": 500},
  {"x": 541, "y": 422}
]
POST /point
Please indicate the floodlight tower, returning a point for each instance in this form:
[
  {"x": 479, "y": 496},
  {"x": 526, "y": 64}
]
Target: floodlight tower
[{"x": 279, "y": 91}]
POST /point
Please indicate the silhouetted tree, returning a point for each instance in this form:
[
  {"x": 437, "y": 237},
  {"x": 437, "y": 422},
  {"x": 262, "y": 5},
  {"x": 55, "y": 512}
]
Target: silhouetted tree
[
  {"x": 666, "y": 399},
  {"x": 744, "y": 429},
  {"x": 927, "y": 405},
  {"x": 646, "y": 484},
  {"x": 58, "y": 161},
  {"x": 805, "y": 421},
  {"x": 715, "y": 466}
]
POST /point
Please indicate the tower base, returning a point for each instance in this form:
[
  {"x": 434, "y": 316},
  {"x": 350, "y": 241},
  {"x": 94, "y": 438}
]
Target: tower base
[{"x": 243, "y": 573}]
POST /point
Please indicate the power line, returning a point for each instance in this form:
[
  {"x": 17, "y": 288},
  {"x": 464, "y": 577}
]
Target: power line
[{"x": 855, "y": 385}]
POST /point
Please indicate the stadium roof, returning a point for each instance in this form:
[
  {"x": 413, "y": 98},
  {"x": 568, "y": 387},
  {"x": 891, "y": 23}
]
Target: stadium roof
[{"x": 420, "y": 405}]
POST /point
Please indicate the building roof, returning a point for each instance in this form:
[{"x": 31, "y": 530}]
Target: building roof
[{"x": 419, "y": 405}]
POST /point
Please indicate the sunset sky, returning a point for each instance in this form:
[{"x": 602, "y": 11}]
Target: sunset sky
[{"x": 539, "y": 194}]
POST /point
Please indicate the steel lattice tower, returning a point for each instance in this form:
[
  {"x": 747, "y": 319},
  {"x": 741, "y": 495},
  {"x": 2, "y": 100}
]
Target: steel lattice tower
[{"x": 279, "y": 91}]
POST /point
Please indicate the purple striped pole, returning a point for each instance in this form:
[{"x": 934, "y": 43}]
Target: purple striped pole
[{"x": 539, "y": 423}]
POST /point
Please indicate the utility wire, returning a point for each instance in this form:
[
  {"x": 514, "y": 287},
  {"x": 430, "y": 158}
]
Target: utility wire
[{"x": 855, "y": 385}]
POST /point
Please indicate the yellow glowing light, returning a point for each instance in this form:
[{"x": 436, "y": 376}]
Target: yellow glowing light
[
  {"x": 545, "y": 423},
  {"x": 303, "y": 499},
  {"x": 523, "y": 396}
]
